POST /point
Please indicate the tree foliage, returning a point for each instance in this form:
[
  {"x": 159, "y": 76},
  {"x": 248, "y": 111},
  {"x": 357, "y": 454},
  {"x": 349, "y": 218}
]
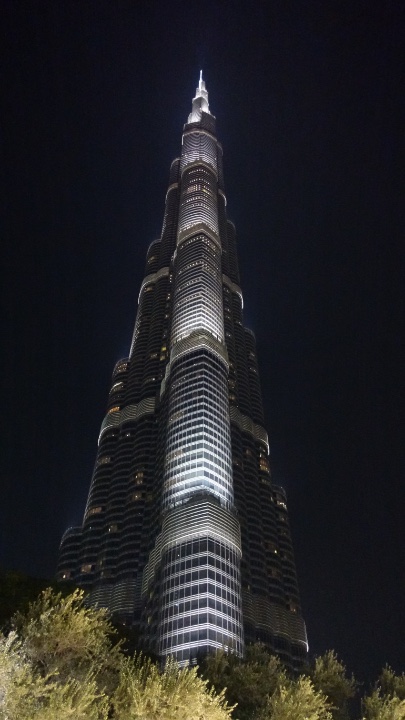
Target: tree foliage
[
  {"x": 145, "y": 693},
  {"x": 383, "y": 707},
  {"x": 264, "y": 690},
  {"x": 247, "y": 682},
  {"x": 296, "y": 700},
  {"x": 63, "y": 661},
  {"x": 329, "y": 676},
  {"x": 27, "y": 695},
  {"x": 60, "y": 635},
  {"x": 391, "y": 684},
  {"x": 387, "y": 700}
]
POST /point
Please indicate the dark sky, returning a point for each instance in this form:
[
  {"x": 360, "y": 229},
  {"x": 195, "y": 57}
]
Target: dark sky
[{"x": 308, "y": 97}]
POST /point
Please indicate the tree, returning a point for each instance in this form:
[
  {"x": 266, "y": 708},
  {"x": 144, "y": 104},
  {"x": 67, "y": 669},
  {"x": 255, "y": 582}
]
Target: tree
[
  {"x": 296, "y": 700},
  {"x": 61, "y": 635},
  {"x": 387, "y": 700},
  {"x": 247, "y": 683},
  {"x": 27, "y": 695},
  {"x": 383, "y": 707},
  {"x": 329, "y": 676},
  {"x": 59, "y": 661},
  {"x": 391, "y": 684},
  {"x": 145, "y": 693}
]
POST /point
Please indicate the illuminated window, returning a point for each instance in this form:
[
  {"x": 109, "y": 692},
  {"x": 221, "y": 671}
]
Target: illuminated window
[
  {"x": 114, "y": 409},
  {"x": 121, "y": 367},
  {"x": 112, "y": 528},
  {"x": 66, "y": 575},
  {"x": 264, "y": 464},
  {"x": 86, "y": 568},
  {"x": 104, "y": 460},
  {"x": 95, "y": 510},
  {"x": 136, "y": 496}
]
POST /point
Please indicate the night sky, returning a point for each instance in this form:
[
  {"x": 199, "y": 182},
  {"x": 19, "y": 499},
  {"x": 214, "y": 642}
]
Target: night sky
[{"x": 308, "y": 97}]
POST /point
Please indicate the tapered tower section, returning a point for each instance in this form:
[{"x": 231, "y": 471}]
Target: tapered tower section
[{"x": 184, "y": 534}]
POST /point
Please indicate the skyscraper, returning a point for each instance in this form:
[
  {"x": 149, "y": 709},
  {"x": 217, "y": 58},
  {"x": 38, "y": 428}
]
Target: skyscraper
[{"x": 184, "y": 534}]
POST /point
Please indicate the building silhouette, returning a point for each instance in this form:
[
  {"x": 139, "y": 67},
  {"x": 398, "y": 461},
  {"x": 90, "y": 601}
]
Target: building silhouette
[{"x": 184, "y": 534}]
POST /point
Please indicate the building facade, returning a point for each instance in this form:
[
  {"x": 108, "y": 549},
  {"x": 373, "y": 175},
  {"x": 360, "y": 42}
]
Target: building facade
[{"x": 184, "y": 535}]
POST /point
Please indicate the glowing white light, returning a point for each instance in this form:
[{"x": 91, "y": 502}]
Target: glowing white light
[{"x": 198, "y": 552}]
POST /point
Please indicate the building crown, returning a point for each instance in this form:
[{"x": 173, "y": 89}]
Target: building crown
[{"x": 200, "y": 102}]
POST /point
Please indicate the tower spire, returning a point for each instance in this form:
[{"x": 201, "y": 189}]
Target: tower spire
[{"x": 200, "y": 101}]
